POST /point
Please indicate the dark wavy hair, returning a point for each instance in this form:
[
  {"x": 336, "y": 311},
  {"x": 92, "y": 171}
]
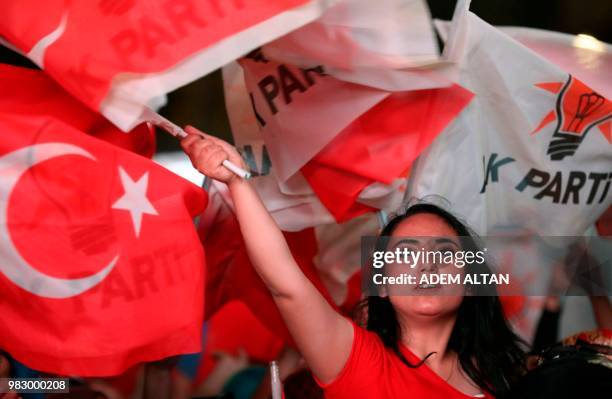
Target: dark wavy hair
[{"x": 488, "y": 350}]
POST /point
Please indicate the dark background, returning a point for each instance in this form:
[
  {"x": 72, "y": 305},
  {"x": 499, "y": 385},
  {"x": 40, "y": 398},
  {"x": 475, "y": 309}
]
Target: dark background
[{"x": 201, "y": 103}]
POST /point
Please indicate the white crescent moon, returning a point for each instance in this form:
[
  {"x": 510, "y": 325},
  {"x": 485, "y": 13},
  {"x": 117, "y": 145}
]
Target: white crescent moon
[{"x": 12, "y": 265}]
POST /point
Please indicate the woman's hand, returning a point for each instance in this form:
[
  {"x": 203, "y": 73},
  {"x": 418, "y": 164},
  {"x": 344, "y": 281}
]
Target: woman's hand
[{"x": 207, "y": 154}]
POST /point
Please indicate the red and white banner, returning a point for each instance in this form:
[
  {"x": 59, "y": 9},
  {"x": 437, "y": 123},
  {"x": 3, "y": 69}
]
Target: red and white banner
[
  {"x": 92, "y": 271},
  {"x": 314, "y": 100},
  {"x": 363, "y": 136},
  {"x": 299, "y": 110},
  {"x": 353, "y": 34},
  {"x": 380, "y": 146},
  {"x": 532, "y": 151},
  {"x": 292, "y": 203},
  {"x": 121, "y": 56}
]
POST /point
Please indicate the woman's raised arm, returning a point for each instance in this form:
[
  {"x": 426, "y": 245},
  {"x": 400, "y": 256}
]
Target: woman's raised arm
[{"x": 323, "y": 336}]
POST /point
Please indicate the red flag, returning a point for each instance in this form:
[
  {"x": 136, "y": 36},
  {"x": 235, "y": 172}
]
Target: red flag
[
  {"x": 232, "y": 277},
  {"x": 233, "y": 328},
  {"x": 604, "y": 223},
  {"x": 119, "y": 56},
  {"x": 100, "y": 264},
  {"x": 34, "y": 92},
  {"x": 381, "y": 145}
]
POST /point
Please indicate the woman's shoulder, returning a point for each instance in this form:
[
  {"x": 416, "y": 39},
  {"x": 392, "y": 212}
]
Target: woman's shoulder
[
  {"x": 366, "y": 340},
  {"x": 367, "y": 351}
]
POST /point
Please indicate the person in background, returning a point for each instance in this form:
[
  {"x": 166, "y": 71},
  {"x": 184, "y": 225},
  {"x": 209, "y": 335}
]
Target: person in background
[
  {"x": 433, "y": 346},
  {"x": 579, "y": 365}
]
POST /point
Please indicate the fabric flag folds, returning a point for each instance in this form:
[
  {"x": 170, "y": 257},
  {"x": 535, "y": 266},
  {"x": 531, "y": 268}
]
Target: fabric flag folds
[
  {"x": 138, "y": 50},
  {"x": 29, "y": 91},
  {"x": 343, "y": 108},
  {"x": 392, "y": 49},
  {"x": 581, "y": 55},
  {"x": 532, "y": 150},
  {"x": 326, "y": 254},
  {"x": 342, "y": 137},
  {"x": 380, "y": 146},
  {"x": 531, "y": 153},
  {"x": 93, "y": 275}
]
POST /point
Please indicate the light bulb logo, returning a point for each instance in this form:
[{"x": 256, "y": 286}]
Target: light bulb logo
[{"x": 578, "y": 109}]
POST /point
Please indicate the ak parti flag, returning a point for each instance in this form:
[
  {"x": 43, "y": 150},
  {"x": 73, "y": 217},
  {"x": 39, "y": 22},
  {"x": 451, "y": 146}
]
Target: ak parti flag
[
  {"x": 121, "y": 56},
  {"x": 29, "y": 91},
  {"x": 100, "y": 264},
  {"x": 532, "y": 151},
  {"x": 362, "y": 135}
]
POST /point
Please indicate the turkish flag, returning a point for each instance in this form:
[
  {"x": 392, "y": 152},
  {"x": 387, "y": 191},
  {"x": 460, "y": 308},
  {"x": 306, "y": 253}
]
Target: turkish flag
[
  {"x": 381, "y": 145},
  {"x": 100, "y": 264},
  {"x": 34, "y": 92},
  {"x": 120, "y": 56}
]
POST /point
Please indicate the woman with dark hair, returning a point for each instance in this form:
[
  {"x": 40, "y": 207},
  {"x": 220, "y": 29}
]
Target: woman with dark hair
[
  {"x": 486, "y": 348},
  {"x": 421, "y": 346}
]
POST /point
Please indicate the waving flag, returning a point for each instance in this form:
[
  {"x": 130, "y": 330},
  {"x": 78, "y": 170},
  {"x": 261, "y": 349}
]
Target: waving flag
[
  {"x": 93, "y": 275},
  {"x": 292, "y": 203},
  {"x": 532, "y": 150},
  {"x": 299, "y": 110},
  {"x": 486, "y": 162},
  {"x": 383, "y": 45},
  {"x": 582, "y": 56},
  {"x": 331, "y": 71},
  {"x": 318, "y": 96},
  {"x": 380, "y": 146},
  {"x": 328, "y": 255},
  {"x": 138, "y": 50},
  {"x": 364, "y": 137},
  {"x": 29, "y": 91},
  {"x": 231, "y": 275}
]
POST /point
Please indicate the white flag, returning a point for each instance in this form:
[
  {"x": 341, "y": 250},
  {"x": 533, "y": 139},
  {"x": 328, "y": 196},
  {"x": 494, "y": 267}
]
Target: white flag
[{"x": 533, "y": 149}]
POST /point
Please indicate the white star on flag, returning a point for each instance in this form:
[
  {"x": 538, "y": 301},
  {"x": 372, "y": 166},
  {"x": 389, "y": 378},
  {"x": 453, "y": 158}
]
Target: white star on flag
[{"x": 135, "y": 198}]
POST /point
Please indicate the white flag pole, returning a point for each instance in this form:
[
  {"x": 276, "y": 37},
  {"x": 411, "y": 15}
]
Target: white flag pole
[
  {"x": 176, "y": 131},
  {"x": 277, "y": 390}
]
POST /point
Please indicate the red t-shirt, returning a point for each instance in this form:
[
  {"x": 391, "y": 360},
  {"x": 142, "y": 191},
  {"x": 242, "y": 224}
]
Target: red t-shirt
[{"x": 373, "y": 371}]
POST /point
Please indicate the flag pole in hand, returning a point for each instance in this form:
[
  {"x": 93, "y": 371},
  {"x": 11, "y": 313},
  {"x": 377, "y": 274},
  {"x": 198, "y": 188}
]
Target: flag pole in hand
[
  {"x": 176, "y": 131},
  {"x": 277, "y": 391}
]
